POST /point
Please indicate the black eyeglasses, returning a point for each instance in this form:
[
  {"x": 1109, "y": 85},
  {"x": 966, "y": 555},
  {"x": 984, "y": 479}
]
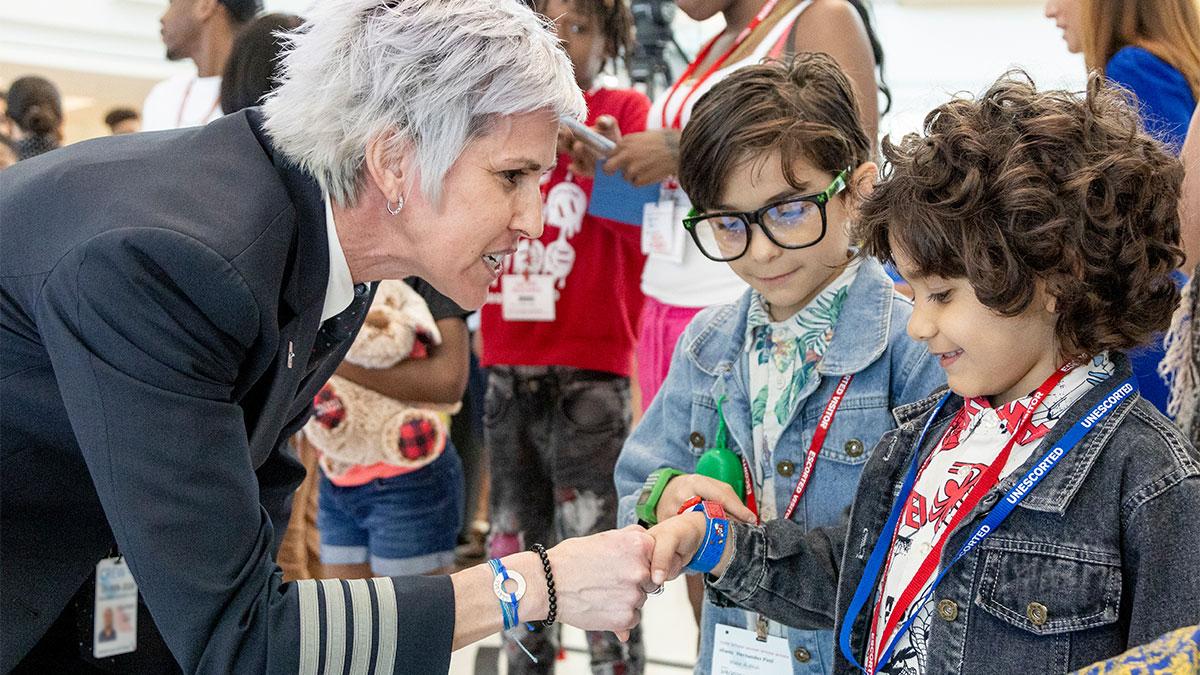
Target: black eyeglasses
[{"x": 791, "y": 223}]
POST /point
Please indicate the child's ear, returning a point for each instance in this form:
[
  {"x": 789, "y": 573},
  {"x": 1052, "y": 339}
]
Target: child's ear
[
  {"x": 862, "y": 181},
  {"x": 1045, "y": 298}
]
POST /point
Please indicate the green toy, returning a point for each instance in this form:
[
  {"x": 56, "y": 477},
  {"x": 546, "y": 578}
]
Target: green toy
[{"x": 720, "y": 462}]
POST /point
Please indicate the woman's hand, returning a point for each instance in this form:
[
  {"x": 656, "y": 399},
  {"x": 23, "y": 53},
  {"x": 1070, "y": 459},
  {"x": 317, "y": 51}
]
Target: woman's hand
[
  {"x": 676, "y": 541},
  {"x": 601, "y": 581},
  {"x": 646, "y": 157},
  {"x": 682, "y": 488}
]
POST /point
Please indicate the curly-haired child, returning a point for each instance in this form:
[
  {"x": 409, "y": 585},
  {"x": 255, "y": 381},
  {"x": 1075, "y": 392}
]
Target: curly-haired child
[{"x": 1040, "y": 515}]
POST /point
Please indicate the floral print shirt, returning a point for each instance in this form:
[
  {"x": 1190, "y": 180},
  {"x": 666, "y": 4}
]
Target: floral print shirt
[{"x": 783, "y": 358}]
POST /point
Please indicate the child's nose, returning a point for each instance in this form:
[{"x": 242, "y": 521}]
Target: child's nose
[
  {"x": 920, "y": 326},
  {"x": 762, "y": 249}
]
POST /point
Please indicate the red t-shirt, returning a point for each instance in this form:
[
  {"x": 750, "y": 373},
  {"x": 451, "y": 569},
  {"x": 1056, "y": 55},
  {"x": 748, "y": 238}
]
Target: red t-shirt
[{"x": 599, "y": 297}]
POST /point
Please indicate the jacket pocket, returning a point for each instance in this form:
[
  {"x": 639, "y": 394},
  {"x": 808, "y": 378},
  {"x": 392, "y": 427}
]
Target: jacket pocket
[{"x": 1048, "y": 588}]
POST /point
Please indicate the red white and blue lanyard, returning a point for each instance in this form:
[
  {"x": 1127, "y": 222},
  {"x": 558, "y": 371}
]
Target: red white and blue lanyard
[
  {"x": 867, "y": 585},
  {"x": 810, "y": 458}
]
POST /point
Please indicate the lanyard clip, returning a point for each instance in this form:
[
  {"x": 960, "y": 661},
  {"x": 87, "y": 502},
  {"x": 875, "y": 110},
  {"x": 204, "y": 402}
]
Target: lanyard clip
[{"x": 761, "y": 628}]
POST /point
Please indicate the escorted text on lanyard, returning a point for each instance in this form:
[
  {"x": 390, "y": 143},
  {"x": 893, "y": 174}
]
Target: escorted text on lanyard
[{"x": 810, "y": 458}]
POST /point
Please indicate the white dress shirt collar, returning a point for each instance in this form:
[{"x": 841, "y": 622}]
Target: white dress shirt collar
[{"x": 340, "y": 291}]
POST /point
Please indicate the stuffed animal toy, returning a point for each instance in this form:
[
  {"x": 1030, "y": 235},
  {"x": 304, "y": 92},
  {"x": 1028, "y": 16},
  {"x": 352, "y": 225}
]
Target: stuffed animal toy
[{"x": 354, "y": 425}]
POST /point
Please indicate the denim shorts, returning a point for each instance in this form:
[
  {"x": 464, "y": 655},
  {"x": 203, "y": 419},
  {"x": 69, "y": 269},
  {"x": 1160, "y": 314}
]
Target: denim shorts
[{"x": 407, "y": 524}]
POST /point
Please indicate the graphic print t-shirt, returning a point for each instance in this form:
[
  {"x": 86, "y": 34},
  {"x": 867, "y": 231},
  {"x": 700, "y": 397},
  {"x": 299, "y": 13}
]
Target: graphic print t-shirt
[
  {"x": 595, "y": 265},
  {"x": 972, "y": 442}
]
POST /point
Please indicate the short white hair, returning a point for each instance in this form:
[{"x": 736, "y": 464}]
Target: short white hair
[{"x": 431, "y": 73}]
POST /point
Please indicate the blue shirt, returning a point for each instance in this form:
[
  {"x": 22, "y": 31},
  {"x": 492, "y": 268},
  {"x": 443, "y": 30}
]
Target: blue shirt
[{"x": 1166, "y": 99}]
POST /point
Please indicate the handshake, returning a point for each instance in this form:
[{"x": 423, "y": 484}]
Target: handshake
[{"x": 604, "y": 579}]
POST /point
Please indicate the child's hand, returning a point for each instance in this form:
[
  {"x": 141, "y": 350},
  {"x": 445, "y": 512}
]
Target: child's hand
[
  {"x": 646, "y": 157},
  {"x": 682, "y": 488},
  {"x": 675, "y": 542}
]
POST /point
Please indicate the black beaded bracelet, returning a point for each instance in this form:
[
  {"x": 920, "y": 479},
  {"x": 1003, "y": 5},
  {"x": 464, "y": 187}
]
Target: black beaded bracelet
[{"x": 541, "y": 551}]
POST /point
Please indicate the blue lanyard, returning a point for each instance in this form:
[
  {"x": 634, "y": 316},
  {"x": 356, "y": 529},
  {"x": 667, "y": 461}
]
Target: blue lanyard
[{"x": 866, "y": 585}]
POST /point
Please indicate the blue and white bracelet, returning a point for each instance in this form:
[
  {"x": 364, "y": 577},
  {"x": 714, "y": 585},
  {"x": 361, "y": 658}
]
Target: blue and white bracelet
[{"x": 510, "y": 601}]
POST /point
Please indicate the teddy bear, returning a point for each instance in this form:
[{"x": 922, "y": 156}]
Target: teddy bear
[{"x": 353, "y": 425}]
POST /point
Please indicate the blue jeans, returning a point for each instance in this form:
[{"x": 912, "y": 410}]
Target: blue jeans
[{"x": 407, "y": 524}]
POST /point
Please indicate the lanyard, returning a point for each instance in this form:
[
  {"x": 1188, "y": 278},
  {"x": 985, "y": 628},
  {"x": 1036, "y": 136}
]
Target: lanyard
[
  {"x": 695, "y": 64},
  {"x": 987, "y": 481},
  {"x": 810, "y": 458},
  {"x": 990, "y": 523},
  {"x": 183, "y": 104}
]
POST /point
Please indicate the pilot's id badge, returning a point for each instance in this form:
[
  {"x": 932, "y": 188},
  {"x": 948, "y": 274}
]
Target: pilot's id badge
[
  {"x": 527, "y": 297},
  {"x": 115, "y": 621}
]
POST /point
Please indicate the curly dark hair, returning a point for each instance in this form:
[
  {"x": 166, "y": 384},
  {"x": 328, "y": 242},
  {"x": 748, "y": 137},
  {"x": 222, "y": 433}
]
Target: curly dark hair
[
  {"x": 804, "y": 109},
  {"x": 1058, "y": 186}
]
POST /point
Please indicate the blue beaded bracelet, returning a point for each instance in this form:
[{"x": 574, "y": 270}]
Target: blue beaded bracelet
[{"x": 710, "y": 552}]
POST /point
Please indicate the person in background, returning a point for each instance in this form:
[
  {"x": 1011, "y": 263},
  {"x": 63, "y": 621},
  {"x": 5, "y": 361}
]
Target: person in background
[
  {"x": 8, "y": 152},
  {"x": 123, "y": 121},
  {"x": 35, "y": 107},
  {"x": 1181, "y": 365},
  {"x": 202, "y": 31},
  {"x": 1151, "y": 49},
  {"x": 6, "y": 123},
  {"x": 253, "y": 65},
  {"x": 558, "y": 330},
  {"x": 391, "y": 485}
]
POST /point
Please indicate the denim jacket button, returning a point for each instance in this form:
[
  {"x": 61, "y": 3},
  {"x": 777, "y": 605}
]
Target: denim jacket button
[
  {"x": 947, "y": 609},
  {"x": 785, "y": 468},
  {"x": 1037, "y": 613},
  {"x": 696, "y": 439},
  {"x": 854, "y": 447},
  {"x": 803, "y": 655}
]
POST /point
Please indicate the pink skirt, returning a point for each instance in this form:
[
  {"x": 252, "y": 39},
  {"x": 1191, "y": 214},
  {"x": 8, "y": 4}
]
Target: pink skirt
[{"x": 661, "y": 327}]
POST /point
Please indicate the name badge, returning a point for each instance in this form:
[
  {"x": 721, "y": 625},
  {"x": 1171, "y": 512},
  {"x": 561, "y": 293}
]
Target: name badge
[
  {"x": 738, "y": 651},
  {"x": 662, "y": 232},
  {"x": 527, "y": 298},
  {"x": 115, "y": 629}
]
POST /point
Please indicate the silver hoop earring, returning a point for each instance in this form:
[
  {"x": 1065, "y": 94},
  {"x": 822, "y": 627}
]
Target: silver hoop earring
[{"x": 399, "y": 206}]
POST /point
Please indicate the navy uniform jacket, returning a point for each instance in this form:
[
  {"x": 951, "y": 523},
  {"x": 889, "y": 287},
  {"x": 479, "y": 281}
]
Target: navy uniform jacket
[{"x": 159, "y": 297}]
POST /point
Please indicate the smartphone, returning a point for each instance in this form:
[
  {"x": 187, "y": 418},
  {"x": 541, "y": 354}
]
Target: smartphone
[{"x": 599, "y": 143}]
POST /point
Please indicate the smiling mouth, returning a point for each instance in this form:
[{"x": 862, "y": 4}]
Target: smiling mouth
[
  {"x": 946, "y": 358},
  {"x": 495, "y": 261},
  {"x": 777, "y": 277}
]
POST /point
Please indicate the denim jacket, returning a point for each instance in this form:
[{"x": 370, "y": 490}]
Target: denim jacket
[
  {"x": 1103, "y": 555},
  {"x": 710, "y": 361}
]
